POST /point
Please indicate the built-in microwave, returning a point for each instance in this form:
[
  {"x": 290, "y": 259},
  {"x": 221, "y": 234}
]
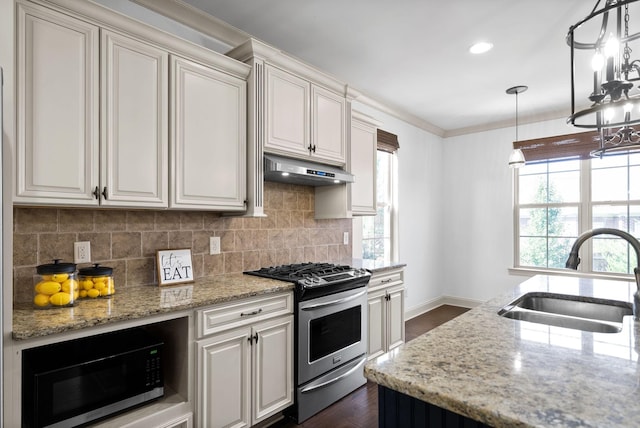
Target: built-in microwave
[{"x": 75, "y": 382}]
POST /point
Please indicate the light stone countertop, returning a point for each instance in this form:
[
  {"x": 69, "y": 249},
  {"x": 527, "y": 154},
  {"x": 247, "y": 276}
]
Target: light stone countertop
[
  {"x": 375, "y": 266},
  {"x": 509, "y": 373},
  {"x": 130, "y": 303}
]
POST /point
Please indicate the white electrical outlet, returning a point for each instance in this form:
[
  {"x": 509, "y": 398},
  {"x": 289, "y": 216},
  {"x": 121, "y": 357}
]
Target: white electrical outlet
[
  {"x": 214, "y": 245},
  {"x": 82, "y": 252},
  {"x": 345, "y": 238}
]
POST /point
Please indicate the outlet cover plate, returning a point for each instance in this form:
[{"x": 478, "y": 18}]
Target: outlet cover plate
[
  {"x": 214, "y": 245},
  {"x": 82, "y": 252}
]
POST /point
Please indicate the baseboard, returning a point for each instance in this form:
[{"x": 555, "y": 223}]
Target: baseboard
[{"x": 437, "y": 302}]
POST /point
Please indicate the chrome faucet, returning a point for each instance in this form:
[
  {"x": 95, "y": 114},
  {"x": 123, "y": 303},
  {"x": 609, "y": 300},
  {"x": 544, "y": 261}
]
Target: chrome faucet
[{"x": 573, "y": 261}]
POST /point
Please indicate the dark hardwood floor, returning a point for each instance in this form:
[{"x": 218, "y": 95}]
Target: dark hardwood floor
[{"x": 360, "y": 408}]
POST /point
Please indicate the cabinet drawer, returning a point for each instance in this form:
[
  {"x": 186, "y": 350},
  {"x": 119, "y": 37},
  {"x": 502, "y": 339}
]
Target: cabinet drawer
[
  {"x": 242, "y": 312},
  {"x": 385, "y": 279}
]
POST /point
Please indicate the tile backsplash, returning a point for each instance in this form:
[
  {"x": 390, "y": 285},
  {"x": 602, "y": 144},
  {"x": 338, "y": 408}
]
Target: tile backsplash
[{"x": 127, "y": 240}]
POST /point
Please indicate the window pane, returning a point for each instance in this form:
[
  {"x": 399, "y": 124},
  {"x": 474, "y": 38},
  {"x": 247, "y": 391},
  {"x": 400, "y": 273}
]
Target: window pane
[
  {"x": 533, "y": 222},
  {"x": 376, "y": 230},
  {"x": 609, "y": 184},
  {"x": 552, "y": 221},
  {"x": 564, "y": 187},
  {"x": 634, "y": 183},
  {"x": 533, "y": 252},
  {"x": 634, "y": 220},
  {"x": 611, "y": 216},
  {"x": 610, "y": 254},
  {"x": 570, "y": 165},
  {"x": 533, "y": 189}
]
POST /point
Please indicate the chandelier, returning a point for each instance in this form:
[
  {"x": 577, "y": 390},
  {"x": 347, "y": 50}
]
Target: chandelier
[{"x": 604, "y": 74}]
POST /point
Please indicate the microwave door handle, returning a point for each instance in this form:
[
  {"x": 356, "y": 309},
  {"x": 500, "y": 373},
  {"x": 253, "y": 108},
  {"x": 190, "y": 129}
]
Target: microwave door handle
[
  {"x": 333, "y": 302},
  {"x": 335, "y": 379}
]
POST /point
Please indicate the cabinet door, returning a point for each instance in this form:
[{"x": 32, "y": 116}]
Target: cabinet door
[
  {"x": 288, "y": 114},
  {"x": 363, "y": 166},
  {"x": 328, "y": 112},
  {"x": 135, "y": 129},
  {"x": 208, "y": 146},
  {"x": 57, "y": 144},
  {"x": 377, "y": 324},
  {"x": 395, "y": 317},
  {"x": 223, "y": 379},
  {"x": 273, "y": 367}
]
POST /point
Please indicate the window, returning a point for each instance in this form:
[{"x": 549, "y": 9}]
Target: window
[
  {"x": 377, "y": 230},
  {"x": 556, "y": 200}
]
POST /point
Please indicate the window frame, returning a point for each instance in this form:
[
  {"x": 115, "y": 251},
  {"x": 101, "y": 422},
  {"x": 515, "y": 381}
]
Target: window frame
[{"x": 585, "y": 220}]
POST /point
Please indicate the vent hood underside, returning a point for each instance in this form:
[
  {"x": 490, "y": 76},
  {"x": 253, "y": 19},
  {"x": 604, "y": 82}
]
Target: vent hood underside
[{"x": 294, "y": 171}]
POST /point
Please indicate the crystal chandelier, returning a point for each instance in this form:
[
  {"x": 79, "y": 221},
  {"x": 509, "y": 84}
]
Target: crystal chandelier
[
  {"x": 516, "y": 159},
  {"x": 603, "y": 72}
]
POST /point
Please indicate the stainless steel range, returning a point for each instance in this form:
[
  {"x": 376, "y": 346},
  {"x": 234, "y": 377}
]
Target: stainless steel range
[{"x": 331, "y": 331}]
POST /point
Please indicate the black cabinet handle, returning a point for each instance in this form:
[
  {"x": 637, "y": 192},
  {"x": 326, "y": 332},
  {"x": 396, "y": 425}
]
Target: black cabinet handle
[
  {"x": 96, "y": 193},
  {"x": 247, "y": 314},
  {"x": 104, "y": 192}
]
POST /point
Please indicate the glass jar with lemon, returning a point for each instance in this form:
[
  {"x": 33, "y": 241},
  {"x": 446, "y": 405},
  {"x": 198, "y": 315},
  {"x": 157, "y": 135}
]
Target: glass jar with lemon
[
  {"x": 96, "y": 281},
  {"x": 56, "y": 285}
]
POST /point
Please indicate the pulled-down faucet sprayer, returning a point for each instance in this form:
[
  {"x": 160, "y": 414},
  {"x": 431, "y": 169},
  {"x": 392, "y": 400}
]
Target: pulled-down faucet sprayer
[{"x": 573, "y": 261}]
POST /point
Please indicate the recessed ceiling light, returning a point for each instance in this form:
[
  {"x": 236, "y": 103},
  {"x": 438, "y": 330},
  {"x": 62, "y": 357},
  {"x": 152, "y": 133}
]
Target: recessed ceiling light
[{"x": 480, "y": 47}]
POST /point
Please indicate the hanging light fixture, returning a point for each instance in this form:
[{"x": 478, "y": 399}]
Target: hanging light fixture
[
  {"x": 516, "y": 159},
  {"x": 603, "y": 73}
]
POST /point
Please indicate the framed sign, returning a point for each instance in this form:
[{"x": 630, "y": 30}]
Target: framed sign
[{"x": 174, "y": 267}]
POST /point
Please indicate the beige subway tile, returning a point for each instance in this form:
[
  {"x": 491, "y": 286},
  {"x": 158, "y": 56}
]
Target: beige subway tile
[
  {"x": 24, "y": 280},
  {"x": 141, "y": 271},
  {"x": 213, "y": 264},
  {"x": 119, "y": 272},
  {"x": 251, "y": 222},
  {"x": 139, "y": 221},
  {"x": 25, "y": 249},
  {"x": 110, "y": 221},
  {"x": 268, "y": 222},
  {"x": 304, "y": 237},
  {"x": 290, "y": 199},
  {"x": 180, "y": 239},
  {"x": 268, "y": 258},
  {"x": 309, "y": 221},
  {"x": 126, "y": 245},
  {"x": 55, "y": 246},
  {"x": 35, "y": 220},
  {"x": 322, "y": 253},
  {"x": 153, "y": 241},
  {"x": 310, "y": 253},
  {"x": 197, "y": 263},
  {"x": 212, "y": 221},
  {"x": 297, "y": 255},
  {"x": 334, "y": 254},
  {"x": 283, "y": 256},
  {"x": 283, "y": 219},
  {"x": 201, "y": 241},
  {"x": 233, "y": 223},
  {"x": 289, "y": 238},
  {"x": 228, "y": 241},
  {"x": 276, "y": 240},
  {"x": 232, "y": 262},
  {"x": 261, "y": 239},
  {"x": 191, "y": 220},
  {"x": 297, "y": 219},
  {"x": 100, "y": 244},
  {"x": 251, "y": 260},
  {"x": 167, "y": 220},
  {"x": 70, "y": 220},
  {"x": 244, "y": 240}
]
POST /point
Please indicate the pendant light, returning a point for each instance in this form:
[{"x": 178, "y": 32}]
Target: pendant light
[
  {"x": 516, "y": 160},
  {"x": 604, "y": 75}
]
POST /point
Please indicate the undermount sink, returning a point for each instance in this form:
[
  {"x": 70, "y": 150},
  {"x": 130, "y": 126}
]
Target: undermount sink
[{"x": 561, "y": 310}]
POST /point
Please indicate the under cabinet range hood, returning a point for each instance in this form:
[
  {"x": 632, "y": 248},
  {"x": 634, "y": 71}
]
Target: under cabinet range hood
[{"x": 295, "y": 171}]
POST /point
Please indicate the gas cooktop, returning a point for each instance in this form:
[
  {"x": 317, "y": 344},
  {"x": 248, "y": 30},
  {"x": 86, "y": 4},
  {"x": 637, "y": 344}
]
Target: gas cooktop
[{"x": 327, "y": 276}]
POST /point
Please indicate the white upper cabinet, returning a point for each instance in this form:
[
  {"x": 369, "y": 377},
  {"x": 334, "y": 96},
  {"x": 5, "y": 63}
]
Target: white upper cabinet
[
  {"x": 94, "y": 112},
  {"x": 363, "y": 164},
  {"x": 208, "y": 122},
  {"x": 304, "y": 120},
  {"x": 57, "y": 144},
  {"x": 134, "y": 149},
  {"x": 288, "y": 113},
  {"x": 329, "y": 114}
]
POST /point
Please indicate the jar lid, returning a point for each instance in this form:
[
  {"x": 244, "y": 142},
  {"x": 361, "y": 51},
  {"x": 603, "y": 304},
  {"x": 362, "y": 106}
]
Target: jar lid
[
  {"x": 56, "y": 267},
  {"x": 96, "y": 270}
]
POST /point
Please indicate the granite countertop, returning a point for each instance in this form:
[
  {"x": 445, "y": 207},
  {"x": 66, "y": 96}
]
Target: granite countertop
[
  {"x": 131, "y": 303},
  {"x": 376, "y": 266},
  {"x": 509, "y": 373}
]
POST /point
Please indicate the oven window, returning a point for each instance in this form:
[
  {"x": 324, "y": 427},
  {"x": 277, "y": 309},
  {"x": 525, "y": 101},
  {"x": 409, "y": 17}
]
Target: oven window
[{"x": 334, "y": 332}]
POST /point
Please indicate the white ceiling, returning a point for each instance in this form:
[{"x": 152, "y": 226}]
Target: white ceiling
[{"x": 413, "y": 54}]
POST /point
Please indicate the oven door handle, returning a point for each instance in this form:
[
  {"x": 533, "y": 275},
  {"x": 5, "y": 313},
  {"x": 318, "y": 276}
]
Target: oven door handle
[
  {"x": 335, "y": 379},
  {"x": 333, "y": 302}
]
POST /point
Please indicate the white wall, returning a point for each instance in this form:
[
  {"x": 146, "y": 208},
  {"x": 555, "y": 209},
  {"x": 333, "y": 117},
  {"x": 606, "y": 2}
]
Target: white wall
[
  {"x": 420, "y": 172},
  {"x": 478, "y": 212}
]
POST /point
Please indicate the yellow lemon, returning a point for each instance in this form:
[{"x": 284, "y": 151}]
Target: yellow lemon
[
  {"x": 93, "y": 293},
  {"x": 41, "y": 300},
  {"x": 105, "y": 291},
  {"x": 60, "y": 299},
  {"x": 99, "y": 285},
  {"x": 60, "y": 277},
  {"x": 87, "y": 284},
  {"x": 83, "y": 294},
  {"x": 48, "y": 287},
  {"x": 46, "y": 277},
  {"x": 76, "y": 294},
  {"x": 69, "y": 285}
]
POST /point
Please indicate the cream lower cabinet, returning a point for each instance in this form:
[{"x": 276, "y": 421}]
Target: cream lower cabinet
[
  {"x": 386, "y": 311},
  {"x": 245, "y": 373},
  {"x": 208, "y": 161}
]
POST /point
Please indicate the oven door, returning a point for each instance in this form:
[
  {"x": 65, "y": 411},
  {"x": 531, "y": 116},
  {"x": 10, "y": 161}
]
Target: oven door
[{"x": 331, "y": 332}]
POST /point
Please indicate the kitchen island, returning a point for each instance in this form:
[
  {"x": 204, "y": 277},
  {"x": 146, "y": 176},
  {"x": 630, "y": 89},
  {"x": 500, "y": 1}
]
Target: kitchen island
[{"x": 509, "y": 373}]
